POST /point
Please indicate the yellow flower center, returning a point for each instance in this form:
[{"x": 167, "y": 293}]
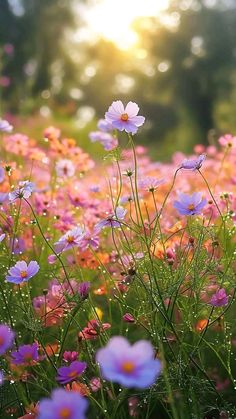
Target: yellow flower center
[
  {"x": 65, "y": 413},
  {"x": 128, "y": 367},
  {"x": 70, "y": 239},
  {"x": 23, "y": 274},
  {"x": 191, "y": 207},
  {"x": 124, "y": 117}
]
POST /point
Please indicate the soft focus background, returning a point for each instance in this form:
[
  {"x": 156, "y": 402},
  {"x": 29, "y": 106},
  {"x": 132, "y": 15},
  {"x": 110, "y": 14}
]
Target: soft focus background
[{"x": 63, "y": 62}]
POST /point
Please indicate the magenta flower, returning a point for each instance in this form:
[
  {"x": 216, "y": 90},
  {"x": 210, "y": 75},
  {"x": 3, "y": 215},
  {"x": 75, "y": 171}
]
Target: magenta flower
[
  {"x": 128, "y": 318},
  {"x": 5, "y": 126},
  {"x": 129, "y": 365},
  {"x": 63, "y": 405},
  {"x": 69, "y": 356},
  {"x": 26, "y": 354},
  {"x": 219, "y": 299},
  {"x": 124, "y": 118},
  {"x": 112, "y": 220},
  {"x": 22, "y": 272},
  {"x": 190, "y": 204},
  {"x": 193, "y": 164},
  {"x": 70, "y": 239},
  {"x": 71, "y": 373},
  {"x": 24, "y": 191},
  {"x": 6, "y": 338}
]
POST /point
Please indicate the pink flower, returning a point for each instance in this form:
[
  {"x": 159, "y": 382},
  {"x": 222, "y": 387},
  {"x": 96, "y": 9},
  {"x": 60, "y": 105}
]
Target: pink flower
[
  {"x": 65, "y": 168},
  {"x": 219, "y": 299},
  {"x": 228, "y": 140},
  {"x": 124, "y": 118}
]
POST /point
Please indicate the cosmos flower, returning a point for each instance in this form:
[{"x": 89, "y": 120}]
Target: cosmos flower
[
  {"x": 104, "y": 126},
  {"x": 71, "y": 373},
  {"x": 65, "y": 168},
  {"x": 24, "y": 191},
  {"x": 26, "y": 354},
  {"x": 22, "y": 272},
  {"x": 63, "y": 405},
  {"x": 6, "y": 338},
  {"x": 124, "y": 118},
  {"x": 190, "y": 204},
  {"x": 193, "y": 164},
  {"x": 107, "y": 140},
  {"x": 219, "y": 299},
  {"x": 83, "y": 289},
  {"x": 70, "y": 356},
  {"x": 112, "y": 220},
  {"x": 5, "y": 126},
  {"x": 228, "y": 140},
  {"x": 70, "y": 239},
  {"x": 150, "y": 183},
  {"x": 129, "y": 365}
]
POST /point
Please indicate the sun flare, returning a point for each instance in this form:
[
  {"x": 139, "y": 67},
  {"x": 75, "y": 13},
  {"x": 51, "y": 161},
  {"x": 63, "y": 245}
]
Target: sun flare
[{"x": 112, "y": 19}]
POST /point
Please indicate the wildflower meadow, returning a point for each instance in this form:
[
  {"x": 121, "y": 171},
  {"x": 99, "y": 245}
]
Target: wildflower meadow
[{"x": 117, "y": 291}]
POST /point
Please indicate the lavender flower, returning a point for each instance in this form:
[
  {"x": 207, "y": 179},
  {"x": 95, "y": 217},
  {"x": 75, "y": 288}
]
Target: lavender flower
[
  {"x": 190, "y": 204},
  {"x": 63, "y": 405},
  {"x": 124, "y": 118},
  {"x": 71, "y": 373},
  {"x": 130, "y": 366},
  {"x": 150, "y": 183},
  {"x": 193, "y": 164},
  {"x": 26, "y": 354},
  {"x": 219, "y": 299},
  {"x": 5, "y": 126},
  {"x": 70, "y": 239},
  {"x": 22, "y": 272},
  {"x": 104, "y": 126},
  {"x": 24, "y": 191},
  {"x": 112, "y": 220},
  {"x": 107, "y": 140},
  {"x": 6, "y": 338}
]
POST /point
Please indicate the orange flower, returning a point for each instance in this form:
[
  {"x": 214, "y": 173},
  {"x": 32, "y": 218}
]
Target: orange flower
[
  {"x": 79, "y": 387},
  {"x": 201, "y": 324}
]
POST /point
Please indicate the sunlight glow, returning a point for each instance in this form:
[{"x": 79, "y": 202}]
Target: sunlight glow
[{"x": 113, "y": 19}]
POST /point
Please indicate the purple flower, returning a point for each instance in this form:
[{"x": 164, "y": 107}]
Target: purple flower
[
  {"x": 193, "y": 164},
  {"x": 190, "y": 204},
  {"x": 26, "y": 354},
  {"x": 71, "y": 373},
  {"x": 70, "y": 239},
  {"x": 2, "y": 237},
  {"x": 6, "y": 338},
  {"x": 1, "y": 378},
  {"x": 219, "y": 299},
  {"x": 112, "y": 220},
  {"x": 107, "y": 140},
  {"x": 4, "y": 197},
  {"x": 84, "y": 289},
  {"x": 150, "y": 183},
  {"x": 89, "y": 240},
  {"x": 63, "y": 405},
  {"x": 129, "y": 365},
  {"x": 24, "y": 191},
  {"x": 104, "y": 126},
  {"x": 124, "y": 118},
  {"x": 22, "y": 272},
  {"x": 5, "y": 126}
]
